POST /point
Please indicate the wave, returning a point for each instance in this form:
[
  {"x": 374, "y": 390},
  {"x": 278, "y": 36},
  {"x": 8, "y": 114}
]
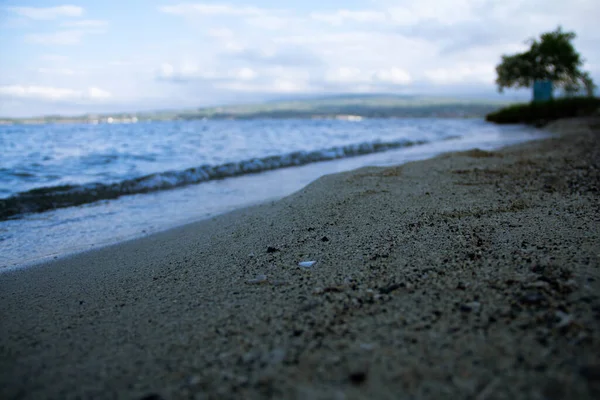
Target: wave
[{"x": 49, "y": 198}]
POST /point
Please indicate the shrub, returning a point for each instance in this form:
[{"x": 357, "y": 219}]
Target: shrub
[{"x": 539, "y": 113}]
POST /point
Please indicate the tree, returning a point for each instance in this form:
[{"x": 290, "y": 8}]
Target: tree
[{"x": 553, "y": 58}]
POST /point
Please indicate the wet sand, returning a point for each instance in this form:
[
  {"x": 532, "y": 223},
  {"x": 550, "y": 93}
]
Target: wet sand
[{"x": 472, "y": 275}]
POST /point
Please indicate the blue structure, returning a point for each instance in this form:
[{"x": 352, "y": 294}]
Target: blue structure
[{"x": 542, "y": 90}]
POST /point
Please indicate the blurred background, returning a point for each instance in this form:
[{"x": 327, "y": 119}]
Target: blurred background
[{"x": 112, "y": 56}]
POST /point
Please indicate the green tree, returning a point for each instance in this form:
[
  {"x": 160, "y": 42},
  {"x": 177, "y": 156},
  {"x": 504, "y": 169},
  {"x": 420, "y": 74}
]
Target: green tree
[{"x": 551, "y": 58}]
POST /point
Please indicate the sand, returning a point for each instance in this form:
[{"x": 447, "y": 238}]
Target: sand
[{"x": 473, "y": 275}]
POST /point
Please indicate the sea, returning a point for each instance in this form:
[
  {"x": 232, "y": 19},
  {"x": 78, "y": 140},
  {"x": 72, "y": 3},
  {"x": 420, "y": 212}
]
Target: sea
[{"x": 67, "y": 188}]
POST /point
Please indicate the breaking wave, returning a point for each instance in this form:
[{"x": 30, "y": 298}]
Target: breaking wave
[{"x": 48, "y": 198}]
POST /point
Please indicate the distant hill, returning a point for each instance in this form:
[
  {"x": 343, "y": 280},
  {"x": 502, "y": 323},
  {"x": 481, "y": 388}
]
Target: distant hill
[{"x": 335, "y": 106}]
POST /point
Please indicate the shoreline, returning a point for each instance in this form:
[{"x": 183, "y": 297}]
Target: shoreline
[
  {"x": 469, "y": 274},
  {"x": 75, "y": 229}
]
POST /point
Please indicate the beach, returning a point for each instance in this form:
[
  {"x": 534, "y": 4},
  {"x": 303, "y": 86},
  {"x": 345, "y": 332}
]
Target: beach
[{"x": 470, "y": 275}]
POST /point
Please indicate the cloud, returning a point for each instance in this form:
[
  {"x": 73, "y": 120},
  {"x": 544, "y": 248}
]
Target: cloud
[
  {"x": 261, "y": 18},
  {"x": 54, "y": 58},
  {"x": 56, "y": 71},
  {"x": 61, "y": 38},
  {"x": 188, "y": 72},
  {"x": 279, "y": 86},
  {"x": 85, "y": 23},
  {"x": 210, "y": 10},
  {"x": 268, "y": 22},
  {"x": 225, "y": 49},
  {"x": 393, "y": 75},
  {"x": 48, "y": 13},
  {"x": 355, "y": 76},
  {"x": 69, "y": 37},
  {"x": 343, "y": 16},
  {"x": 221, "y": 33},
  {"x": 273, "y": 55},
  {"x": 462, "y": 73},
  {"x": 52, "y": 93}
]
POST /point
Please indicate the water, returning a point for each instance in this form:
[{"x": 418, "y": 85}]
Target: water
[{"x": 129, "y": 180}]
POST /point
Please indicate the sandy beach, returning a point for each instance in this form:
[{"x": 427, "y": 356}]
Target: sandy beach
[{"x": 472, "y": 275}]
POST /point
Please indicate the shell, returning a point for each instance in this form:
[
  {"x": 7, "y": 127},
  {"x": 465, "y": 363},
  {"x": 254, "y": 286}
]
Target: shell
[
  {"x": 306, "y": 264},
  {"x": 258, "y": 280}
]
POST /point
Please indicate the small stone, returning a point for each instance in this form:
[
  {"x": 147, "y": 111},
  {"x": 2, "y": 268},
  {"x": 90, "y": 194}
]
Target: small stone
[
  {"x": 538, "y": 284},
  {"x": 324, "y": 239},
  {"x": 472, "y": 306},
  {"x": 358, "y": 377},
  {"x": 390, "y": 288},
  {"x": 564, "y": 319},
  {"x": 272, "y": 249},
  {"x": 276, "y": 356},
  {"x": 532, "y": 298},
  {"x": 194, "y": 380},
  {"x": 152, "y": 396},
  {"x": 590, "y": 372}
]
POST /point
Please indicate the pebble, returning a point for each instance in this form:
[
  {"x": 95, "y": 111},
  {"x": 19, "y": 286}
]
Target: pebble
[
  {"x": 590, "y": 372},
  {"x": 564, "y": 319},
  {"x": 532, "y": 298},
  {"x": 152, "y": 396},
  {"x": 276, "y": 356},
  {"x": 390, "y": 288},
  {"x": 358, "y": 377},
  {"x": 367, "y": 346},
  {"x": 472, "y": 306}
]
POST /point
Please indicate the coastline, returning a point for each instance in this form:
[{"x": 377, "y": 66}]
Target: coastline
[{"x": 470, "y": 275}]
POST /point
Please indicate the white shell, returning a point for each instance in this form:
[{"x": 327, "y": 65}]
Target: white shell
[
  {"x": 306, "y": 264},
  {"x": 259, "y": 279}
]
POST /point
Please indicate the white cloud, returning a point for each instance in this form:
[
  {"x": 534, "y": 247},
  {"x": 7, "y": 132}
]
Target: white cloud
[
  {"x": 61, "y": 38},
  {"x": 246, "y": 74},
  {"x": 282, "y": 86},
  {"x": 54, "y": 58},
  {"x": 355, "y": 76},
  {"x": 56, "y": 38},
  {"x": 342, "y": 16},
  {"x": 85, "y": 23},
  {"x": 255, "y": 17},
  {"x": 52, "y": 93},
  {"x": 462, "y": 73},
  {"x": 345, "y": 75},
  {"x": 48, "y": 13},
  {"x": 220, "y": 33},
  {"x": 269, "y": 22},
  {"x": 97, "y": 93},
  {"x": 56, "y": 71},
  {"x": 210, "y": 10},
  {"x": 445, "y": 12},
  {"x": 190, "y": 71},
  {"x": 166, "y": 71},
  {"x": 393, "y": 75}
]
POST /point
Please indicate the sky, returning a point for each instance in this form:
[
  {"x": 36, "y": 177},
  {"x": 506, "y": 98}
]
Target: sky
[{"x": 134, "y": 55}]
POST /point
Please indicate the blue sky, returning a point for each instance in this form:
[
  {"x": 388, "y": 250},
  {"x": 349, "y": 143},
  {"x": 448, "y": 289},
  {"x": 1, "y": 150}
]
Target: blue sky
[{"x": 99, "y": 56}]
